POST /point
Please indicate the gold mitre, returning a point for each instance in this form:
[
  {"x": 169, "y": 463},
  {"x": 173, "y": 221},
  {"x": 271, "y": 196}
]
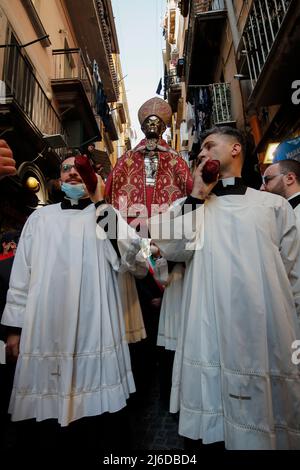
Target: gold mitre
[{"x": 155, "y": 107}]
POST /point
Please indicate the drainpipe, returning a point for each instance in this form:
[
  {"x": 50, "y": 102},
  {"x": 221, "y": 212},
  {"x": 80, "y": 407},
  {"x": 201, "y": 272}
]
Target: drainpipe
[{"x": 233, "y": 24}]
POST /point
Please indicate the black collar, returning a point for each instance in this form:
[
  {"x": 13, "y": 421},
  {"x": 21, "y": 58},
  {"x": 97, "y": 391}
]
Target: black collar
[
  {"x": 237, "y": 186},
  {"x": 294, "y": 201},
  {"x": 82, "y": 204}
]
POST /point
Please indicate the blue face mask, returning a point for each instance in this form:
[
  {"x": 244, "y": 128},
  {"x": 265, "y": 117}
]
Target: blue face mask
[{"x": 73, "y": 191}]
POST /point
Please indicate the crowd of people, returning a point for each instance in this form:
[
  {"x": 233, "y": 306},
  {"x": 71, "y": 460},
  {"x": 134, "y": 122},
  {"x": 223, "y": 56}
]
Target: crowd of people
[{"x": 88, "y": 319}]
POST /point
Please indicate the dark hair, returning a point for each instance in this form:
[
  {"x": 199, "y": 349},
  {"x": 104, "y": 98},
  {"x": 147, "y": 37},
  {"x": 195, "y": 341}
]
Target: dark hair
[
  {"x": 227, "y": 131},
  {"x": 12, "y": 236},
  {"x": 293, "y": 166},
  {"x": 70, "y": 153}
]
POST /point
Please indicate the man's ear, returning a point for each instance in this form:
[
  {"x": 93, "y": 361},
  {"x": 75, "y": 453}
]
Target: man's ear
[
  {"x": 236, "y": 149},
  {"x": 290, "y": 178}
]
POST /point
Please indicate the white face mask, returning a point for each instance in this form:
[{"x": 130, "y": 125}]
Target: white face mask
[{"x": 73, "y": 191}]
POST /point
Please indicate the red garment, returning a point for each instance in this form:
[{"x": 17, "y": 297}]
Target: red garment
[
  {"x": 9, "y": 254},
  {"x": 126, "y": 185}
]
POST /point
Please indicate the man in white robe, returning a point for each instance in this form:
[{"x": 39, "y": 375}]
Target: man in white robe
[
  {"x": 283, "y": 178},
  {"x": 234, "y": 379},
  {"x": 65, "y": 314}
]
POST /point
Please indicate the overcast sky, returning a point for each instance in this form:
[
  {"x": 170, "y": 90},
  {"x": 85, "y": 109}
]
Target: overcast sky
[{"x": 139, "y": 30}]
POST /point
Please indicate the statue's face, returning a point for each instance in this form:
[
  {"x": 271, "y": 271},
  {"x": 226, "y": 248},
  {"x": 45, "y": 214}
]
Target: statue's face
[{"x": 153, "y": 127}]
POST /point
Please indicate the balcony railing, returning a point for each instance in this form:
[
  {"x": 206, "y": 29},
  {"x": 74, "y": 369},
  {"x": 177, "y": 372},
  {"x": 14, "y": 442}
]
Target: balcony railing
[
  {"x": 173, "y": 82},
  {"x": 221, "y": 103},
  {"x": 263, "y": 24},
  {"x": 23, "y": 86},
  {"x": 69, "y": 64},
  {"x": 214, "y": 104},
  {"x": 202, "y": 6}
]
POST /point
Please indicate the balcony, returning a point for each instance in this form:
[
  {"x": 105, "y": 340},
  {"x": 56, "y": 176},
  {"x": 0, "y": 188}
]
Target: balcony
[
  {"x": 171, "y": 25},
  {"x": 206, "y": 26},
  {"x": 74, "y": 90},
  {"x": 96, "y": 32},
  {"x": 210, "y": 7},
  {"x": 26, "y": 101},
  {"x": 121, "y": 111},
  {"x": 269, "y": 46},
  {"x": 221, "y": 104},
  {"x": 173, "y": 88},
  {"x": 173, "y": 81},
  {"x": 212, "y": 105},
  {"x": 184, "y": 7}
]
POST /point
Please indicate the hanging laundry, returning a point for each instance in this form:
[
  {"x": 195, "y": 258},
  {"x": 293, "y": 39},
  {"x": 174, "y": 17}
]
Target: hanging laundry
[
  {"x": 203, "y": 108},
  {"x": 102, "y": 107},
  {"x": 159, "y": 87}
]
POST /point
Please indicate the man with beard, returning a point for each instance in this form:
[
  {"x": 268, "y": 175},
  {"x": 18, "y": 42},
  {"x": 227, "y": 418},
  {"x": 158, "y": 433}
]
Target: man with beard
[
  {"x": 234, "y": 378},
  {"x": 283, "y": 176},
  {"x": 73, "y": 373}
]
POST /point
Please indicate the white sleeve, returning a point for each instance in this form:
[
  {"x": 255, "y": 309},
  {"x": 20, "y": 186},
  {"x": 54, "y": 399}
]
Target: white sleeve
[
  {"x": 178, "y": 234},
  {"x": 290, "y": 248},
  {"x": 128, "y": 242},
  {"x": 297, "y": 215},
  {"x": 129, "y": 246},
  {"x": 161, "y": 271},
  {"x": 16, "y": 300}
]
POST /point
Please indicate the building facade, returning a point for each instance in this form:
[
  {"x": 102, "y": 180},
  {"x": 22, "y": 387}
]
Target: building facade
[
  {"x": 61, "y": 87},
  {"x": 233, "y": 62}
]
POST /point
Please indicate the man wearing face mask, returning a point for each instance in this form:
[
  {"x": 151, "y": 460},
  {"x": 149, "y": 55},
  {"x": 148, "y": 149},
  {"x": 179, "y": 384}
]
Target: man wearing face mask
[
  {"x": 72, "y": 185},
  {"x": 73, "y": 372}
]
